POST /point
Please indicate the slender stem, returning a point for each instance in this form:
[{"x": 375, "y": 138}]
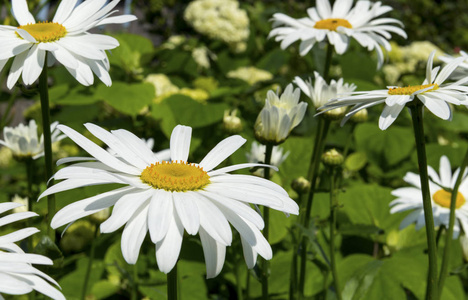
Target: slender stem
[
  {"x": 418, "y": 127},
  {"x": 29, "y": 174},
  {"x": 328, "y": 60},
  {"x": 135, "y": 283},
  {"x": 448, "y": 236},
  {"x": 240, "y": 295},
  {"x": 266, "y": 229},
  {"x": 172, "y": 284},
  {"x": 44, "y": 94},
  {"x": 333, "y": 207},
  {"x": 293, "y": 287},
  {"x": 322, "y": 130},
  {"x": 90, "y": 264}
]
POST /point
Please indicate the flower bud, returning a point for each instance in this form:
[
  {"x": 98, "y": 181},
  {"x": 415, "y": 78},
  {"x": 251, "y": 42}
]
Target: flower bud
[
  {"x": 360, "y": 116},
  {"x": 332, "y": 158},
  {"x": 232, "y": 124},
  {"x": 300, "y": 185},
  {"x": 335, "y": 114}
]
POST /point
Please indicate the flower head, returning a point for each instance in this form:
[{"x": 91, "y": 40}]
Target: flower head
[
  {"x": 66, "y": 37},
  {"x": 257, "y": 155},
  {"x": 23, "y": 140},
  {"x": 279, "y": 116},
  {"x": 322, "y": 93},
  {"x": 410, "y": 198},
  {"x": 435, "y": 95},
  {"x": 168, "y": 197},
  {"x": 18, "y": 275},
  {"x": 337, "y": 25}
]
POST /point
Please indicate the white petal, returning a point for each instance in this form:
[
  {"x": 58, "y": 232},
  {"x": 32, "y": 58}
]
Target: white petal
[
  {"x": 250, "y": 255},
  {"x": 167, "y": 250},
  {"x": 16, "y": 217},
  {"x": 125, "y": 208},
  {"x": 21, "y": 12},
  {"x": 5, "y": 206},
  {"x": 445, "y": 171},
  {"x": 437, "y": 107},
  {"x": 64, "y": 10},
  {"x": 221, "y": 151},
  {"x": 16, "y": 69},
  {"x": 136, "y": 145},
  {"x": 180, "y": 143},
  {"x": 88, "y": 206},
  {"x": 33, "y": 65},
  {"x": 187, "y": 211},
  {"x": 389, "y": 115},
  {"x": 134, "y": 235},
  {"x": 18, "y": 235},
  {"x": 160, "y": 214},
  {"x": 214, "y": 253}
]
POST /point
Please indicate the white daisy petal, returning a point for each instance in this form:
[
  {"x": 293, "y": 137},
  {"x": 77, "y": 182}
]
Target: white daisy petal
[
  {"x": 250, "y": 255},
  {"x": 214, "y": 253},
  {"x": 187, "y": 211},
  {"x": 160, "y": 215},
  {"x": 133, "y": 235},
  {"x": 180, "y": 143},
  {"x": 168, "y": 249},
  {"x": 21, "y": 12},
  {"x": 220, "y": 152}
]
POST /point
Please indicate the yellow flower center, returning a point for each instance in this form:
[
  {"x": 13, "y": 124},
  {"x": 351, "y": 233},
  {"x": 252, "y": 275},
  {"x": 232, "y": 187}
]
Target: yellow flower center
[
  {"x": 442, "y": 197},
  {"x": 332, "y": 24},
  {"x": 409, "y": 90},
  {"x": 175, "y": 176},
  {"x": 45, "y": 32}
]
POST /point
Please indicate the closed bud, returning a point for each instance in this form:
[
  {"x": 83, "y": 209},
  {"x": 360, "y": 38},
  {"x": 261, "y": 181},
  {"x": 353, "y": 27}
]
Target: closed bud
[
  {"x": 232, "y": 124},
  {"x": 335, "y": 114},
  {"x": 332, "y": 158},
  {"x": 360, "y": 116},
  {"x": 300, "y": 185}
]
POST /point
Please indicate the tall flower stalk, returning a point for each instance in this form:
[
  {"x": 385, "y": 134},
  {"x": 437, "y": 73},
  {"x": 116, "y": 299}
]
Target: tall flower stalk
[
  {"x": 418, "y": 128},
  {"x": 49, "y": 168},
  {"x": 449, "y": 234}
]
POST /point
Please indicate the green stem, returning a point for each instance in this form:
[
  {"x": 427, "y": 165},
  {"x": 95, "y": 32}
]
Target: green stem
[
  {"x": 328, "y": 59},
  {"x": 135, "y": 283},
  {"x": 293, "y": 287},
  {"x": 29, "y": 174},
  {"x": 240, "y": 295},
  {"x": 418, "y": 127},
  {"x": 172, "y": 284},
  {"x": 322, "y": 131},
  {"x": 333, "y": 207},
  {"x": 90, "y": 264},
  {"x": 44, "y": 95},
  {"x": 448, "y": 236},
  {"x": 266, "y": 229}
]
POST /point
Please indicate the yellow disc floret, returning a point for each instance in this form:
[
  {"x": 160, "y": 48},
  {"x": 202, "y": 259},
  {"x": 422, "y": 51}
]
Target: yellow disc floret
[
  {"x": 45, "y": 32},
  {"x": 175, "y": 176},
  {"x": 442, "y": 197},
  {"x": 409, "y": 90},
  {"x": 332, "y": 24}
]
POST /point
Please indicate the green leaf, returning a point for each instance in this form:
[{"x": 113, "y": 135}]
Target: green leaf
[
  {"x": 358, "y": 229},
  {"x": 358, "y": 65},
  {"x": 103, "y": 289},
  {"x": 189, "y": 112},
  {"x": 80, "y": 95},
  {"x": 273, "y": 60},
  {"x": 384, "y": 147},
  {"x": 128, "y": 98},
  {"x": 367, "y": 204},
  {"x": 356, "y": 161},
  {"x": 72, "y": 283}
]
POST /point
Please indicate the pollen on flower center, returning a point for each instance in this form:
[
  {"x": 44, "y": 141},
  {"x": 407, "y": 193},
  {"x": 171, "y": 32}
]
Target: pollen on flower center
[
  {"x": 409, "y": 90},
  {"x": 332, "y": 24},
  {"x": 442, "y": 197},
  {"x": 45, "y": 31},
  {"x": 175, "y": 176}
]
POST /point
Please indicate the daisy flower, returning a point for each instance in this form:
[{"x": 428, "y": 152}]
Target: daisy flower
[
  {"x": 337, "y": 25},
  {"x": 17, "y": 274},
  {"x": 66, "y": 37},
  {"x": 257, "y": 155},
  {"x": 410, "y": 198},
  {"x": 279, "y": 116},
  {"x": 23, "y": 140},
  {"x": 321, "y": 93},
  {"x": 166, "y": 198},
  {"x": 435, "y": 95},
  {"x": 462, "y": 70}
]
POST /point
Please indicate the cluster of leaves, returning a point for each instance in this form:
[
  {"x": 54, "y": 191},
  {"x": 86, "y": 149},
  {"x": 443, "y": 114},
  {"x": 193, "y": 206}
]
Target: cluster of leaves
[{"x": 374, "y": 256}]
